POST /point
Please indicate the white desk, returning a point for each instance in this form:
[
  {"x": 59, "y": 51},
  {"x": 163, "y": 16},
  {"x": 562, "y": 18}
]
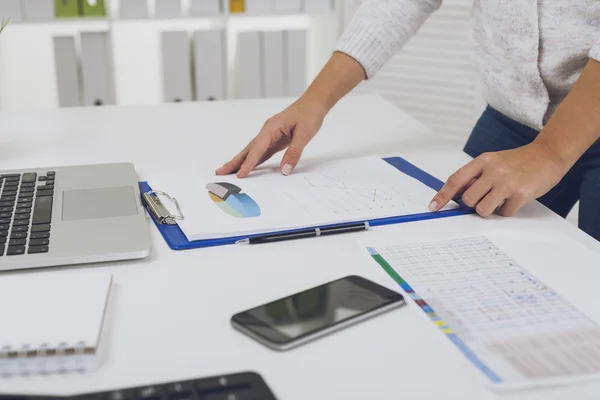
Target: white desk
[{"x": 169, "y": 318}]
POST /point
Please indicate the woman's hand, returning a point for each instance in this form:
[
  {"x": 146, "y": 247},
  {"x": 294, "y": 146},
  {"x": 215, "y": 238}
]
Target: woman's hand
[
  {"x": 504, "y": 181},
  {"x": 292, "y": 128},
  {"x": 508, "y": 180},
  {"x": 295, "y": 126}
]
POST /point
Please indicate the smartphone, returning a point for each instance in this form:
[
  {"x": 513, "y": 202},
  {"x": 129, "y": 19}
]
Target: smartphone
[{"x": 305, "y": 316}]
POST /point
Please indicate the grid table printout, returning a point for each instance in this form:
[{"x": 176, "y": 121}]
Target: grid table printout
[{"x": 516, "y": 330}]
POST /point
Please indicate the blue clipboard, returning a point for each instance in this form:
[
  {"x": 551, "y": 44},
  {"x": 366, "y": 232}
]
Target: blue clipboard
[{"x": 177, "y": 240}]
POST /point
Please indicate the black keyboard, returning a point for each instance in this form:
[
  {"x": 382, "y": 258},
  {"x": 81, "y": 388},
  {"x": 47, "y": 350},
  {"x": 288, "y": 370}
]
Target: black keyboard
[
  {"x": 25, "y": 213},
  {"x": 241, "y": 386}
]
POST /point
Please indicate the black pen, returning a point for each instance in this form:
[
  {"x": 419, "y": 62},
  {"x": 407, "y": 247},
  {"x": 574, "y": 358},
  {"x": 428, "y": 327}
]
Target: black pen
[{"x": 307, "y": 233}]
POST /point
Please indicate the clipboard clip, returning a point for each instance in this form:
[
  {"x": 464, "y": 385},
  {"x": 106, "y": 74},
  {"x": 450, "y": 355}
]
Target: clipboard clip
[{"x": 158, "y": 209}]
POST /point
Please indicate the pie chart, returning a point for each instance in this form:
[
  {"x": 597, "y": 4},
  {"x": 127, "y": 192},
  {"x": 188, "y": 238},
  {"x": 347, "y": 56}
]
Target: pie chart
[{"x": 230, "y": 199}]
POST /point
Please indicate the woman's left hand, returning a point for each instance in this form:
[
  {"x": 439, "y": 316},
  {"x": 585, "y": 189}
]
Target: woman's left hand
[{"x": 504, "y": 181}]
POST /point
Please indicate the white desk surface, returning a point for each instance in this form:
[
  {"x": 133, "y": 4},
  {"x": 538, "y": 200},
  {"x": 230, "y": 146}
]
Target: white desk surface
[{"x": 169, "y": 316}]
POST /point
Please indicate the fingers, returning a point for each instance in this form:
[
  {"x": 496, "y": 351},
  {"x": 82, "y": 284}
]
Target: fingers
[
  {"x": 294, "y": 152},
  {"x": 476, "y": 191},
  {"x": 518, "y": 200},
  {"x": 456, "y": 184},
  {"x": 494, "y": 199},
  {"x": 275, "y": 148},
  {"x": 464, "y": 189},
  {"x": 260, "y": 145},
  {"x": 491, "y": 183},
  {"x": 268, "y": 141},
  {"x": 504, "y": 198},
  {"x": 235, "y": 163},
  {"x": 510, "y": 207},
  {"x": 241, "y": 159}
]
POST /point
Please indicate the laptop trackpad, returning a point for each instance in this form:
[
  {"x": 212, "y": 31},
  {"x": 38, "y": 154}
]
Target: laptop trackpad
[{"x": 98, "y": 203}]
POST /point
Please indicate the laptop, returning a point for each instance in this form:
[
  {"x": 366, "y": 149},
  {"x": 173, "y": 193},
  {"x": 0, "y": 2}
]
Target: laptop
[{"x": 71, "y": 215}]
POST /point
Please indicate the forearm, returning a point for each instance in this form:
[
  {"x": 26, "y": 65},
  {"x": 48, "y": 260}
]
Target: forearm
[
  {"x": 338, "y": 77},
  {"x": 380, "y": 28},
  {"x": 575, "y": 125},
  {"x": 377, "y": 31}
]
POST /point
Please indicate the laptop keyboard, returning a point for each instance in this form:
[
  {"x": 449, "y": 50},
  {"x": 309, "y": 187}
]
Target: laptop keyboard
[
  {"x": 25, "y": 213},
  {"x": 237, "y": 386}
]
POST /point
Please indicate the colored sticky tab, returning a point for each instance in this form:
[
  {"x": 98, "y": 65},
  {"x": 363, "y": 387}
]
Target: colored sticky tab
[
  {"x": 427, "y": 309},
  {"x": 422, "y": 303},
  {"x": 92, "y": 8},
  {"x": 405, "y": 287},
  {"x": 66, "y": 8},
  {"x": 236, "y": 6},
  {"x": 447, "y": 330},
  {"x": 440, "y": 323}
]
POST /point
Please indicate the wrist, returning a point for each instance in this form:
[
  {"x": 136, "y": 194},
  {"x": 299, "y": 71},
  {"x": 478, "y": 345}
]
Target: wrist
[
  {"x": 313, "y": 104},
  {"x": 339, "y": 76},
  {"x": 562, "y": 159},
  {"x": 575, "y": 125}
]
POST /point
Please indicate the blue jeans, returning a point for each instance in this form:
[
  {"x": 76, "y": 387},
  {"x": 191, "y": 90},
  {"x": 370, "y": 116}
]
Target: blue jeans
[{"x": 495, "y": 132}]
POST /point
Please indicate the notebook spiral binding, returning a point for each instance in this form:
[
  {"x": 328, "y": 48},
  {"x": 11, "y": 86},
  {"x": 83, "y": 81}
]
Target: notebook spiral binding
[
  {"x": 62, "y": 359},
  {"x": 158, "y": 209}
]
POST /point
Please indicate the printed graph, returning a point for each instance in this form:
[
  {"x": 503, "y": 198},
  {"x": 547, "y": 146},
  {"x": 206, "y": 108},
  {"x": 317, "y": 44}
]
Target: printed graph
[
  {"x": 341, "y": 193},
  {"x": 230, "y": 199}
]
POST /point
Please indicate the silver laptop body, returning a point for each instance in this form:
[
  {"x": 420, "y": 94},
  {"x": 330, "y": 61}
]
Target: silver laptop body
[{"x": 71, "y": 215}]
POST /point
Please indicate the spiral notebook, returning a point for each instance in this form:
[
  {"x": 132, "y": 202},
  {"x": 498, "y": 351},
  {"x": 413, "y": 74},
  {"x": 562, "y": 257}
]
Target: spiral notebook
[{"x": 52, "y": 322}]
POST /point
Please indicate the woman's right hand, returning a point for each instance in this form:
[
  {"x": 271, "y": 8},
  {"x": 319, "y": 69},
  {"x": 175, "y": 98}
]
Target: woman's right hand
[
  {"x": 295, "y": 126},
  {"x": 292, "y": 128}
]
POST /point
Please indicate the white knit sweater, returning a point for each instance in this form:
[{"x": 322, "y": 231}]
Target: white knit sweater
[{"x": 529, "y": 52}]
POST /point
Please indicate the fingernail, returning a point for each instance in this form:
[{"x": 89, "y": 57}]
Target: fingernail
[
  {"x": 287, "y": 169},
  {"x": 433, "y": 206}
]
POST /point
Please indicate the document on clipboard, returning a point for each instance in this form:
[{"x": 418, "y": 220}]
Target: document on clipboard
[{"x": 335, "y": 192}]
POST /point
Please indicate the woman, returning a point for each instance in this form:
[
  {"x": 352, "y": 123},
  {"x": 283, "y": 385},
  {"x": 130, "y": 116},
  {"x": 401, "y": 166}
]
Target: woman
[{"x": 536, "y": 140}]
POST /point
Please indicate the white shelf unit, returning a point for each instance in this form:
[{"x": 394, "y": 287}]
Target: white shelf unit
[
  {"x": 28, "y": 76},
  {"x": 433, "y": 77},
  {"x": 189, "y": 9}
]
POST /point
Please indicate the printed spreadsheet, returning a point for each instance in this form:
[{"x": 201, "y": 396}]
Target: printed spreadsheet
[{"x": 508, "y": 323}]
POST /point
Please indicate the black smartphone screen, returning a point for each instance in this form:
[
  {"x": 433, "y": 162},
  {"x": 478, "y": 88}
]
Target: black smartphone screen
[{"x": 315, "y": 309}]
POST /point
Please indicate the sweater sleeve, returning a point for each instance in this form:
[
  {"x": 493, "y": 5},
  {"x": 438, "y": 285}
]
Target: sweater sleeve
[
  {"x": 594, "y": 52},
  {"x": 380, "y": 28}
]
